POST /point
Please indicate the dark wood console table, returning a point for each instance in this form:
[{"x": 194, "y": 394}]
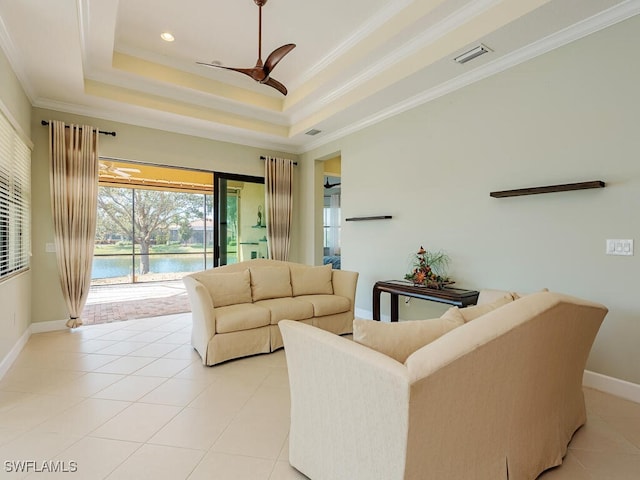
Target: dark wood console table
[{"x": 452, "y": 296}]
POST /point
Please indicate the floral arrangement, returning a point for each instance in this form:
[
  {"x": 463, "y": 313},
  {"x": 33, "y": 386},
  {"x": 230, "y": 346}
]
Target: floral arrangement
[{"x": 429, "y": 269}]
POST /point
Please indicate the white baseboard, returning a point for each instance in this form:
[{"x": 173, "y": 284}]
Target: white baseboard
[
  {"x": 50, "y": 326},
  {"x": 611, "y": 385},
  {"x": 368, "y": 314},
  {"x": 38, "y": 327},
  {"x": 8, "y": 360}
]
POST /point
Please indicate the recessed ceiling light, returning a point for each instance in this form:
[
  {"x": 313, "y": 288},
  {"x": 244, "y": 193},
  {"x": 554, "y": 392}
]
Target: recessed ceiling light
[{"x": 167, "y": 37}]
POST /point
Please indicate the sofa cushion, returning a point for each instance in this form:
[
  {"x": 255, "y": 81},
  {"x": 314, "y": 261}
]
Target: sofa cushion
[
  {"x": 306, "y": 280},
  {"x": 401, "y": 339},
  {"x": 471, "y": 313},
  {"x": 226, "y": 288},
  {"x": 489, "y": 295},
  {"x": 454, "y": 315},
  {"x": 286, "y": 308},
  {"x": 243, "y": 316},
  {"x": 327, "y": 304},
  {"x": 270, "y": 282}
]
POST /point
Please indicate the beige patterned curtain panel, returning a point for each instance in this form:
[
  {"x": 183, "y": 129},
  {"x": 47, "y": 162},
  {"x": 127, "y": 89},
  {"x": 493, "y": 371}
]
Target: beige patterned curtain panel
[
  {"x": 278, "y": 181},
  {"x": 73, "y": 169}
]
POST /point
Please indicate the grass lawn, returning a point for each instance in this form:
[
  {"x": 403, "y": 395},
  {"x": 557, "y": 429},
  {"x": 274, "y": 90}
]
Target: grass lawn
[{"x": 126, "y": 249}]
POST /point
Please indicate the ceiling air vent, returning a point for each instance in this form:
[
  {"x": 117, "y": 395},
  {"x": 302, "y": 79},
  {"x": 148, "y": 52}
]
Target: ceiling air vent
[
  {"x": 313, "y": 132},
  {"x": 471, "y": 54}
]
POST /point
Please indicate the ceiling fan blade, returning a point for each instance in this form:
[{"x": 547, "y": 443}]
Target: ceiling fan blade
[
  {"x": 261, "y": 72},
  {"x": 256, "y": 73},
  {"x": 274, "y": 57},
  {"x": 276, "y": 84}
]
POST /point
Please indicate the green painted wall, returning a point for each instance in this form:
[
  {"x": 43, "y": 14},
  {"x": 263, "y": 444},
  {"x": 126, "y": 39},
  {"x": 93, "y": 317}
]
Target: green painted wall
[
  {"x": 15, "y": 292},
  {"x": 570, "y": 115}
]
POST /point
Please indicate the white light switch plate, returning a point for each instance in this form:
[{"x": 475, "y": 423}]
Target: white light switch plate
[
  {"x": 50, "y": 247},
  {"x": 619, "y": 247}
]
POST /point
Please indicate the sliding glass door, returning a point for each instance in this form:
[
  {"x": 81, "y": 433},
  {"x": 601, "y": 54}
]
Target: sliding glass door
[
  {"x": 240, "y": 227},
  {"x": 154, "y": 222},
  {"x": 160, "y": 223}
]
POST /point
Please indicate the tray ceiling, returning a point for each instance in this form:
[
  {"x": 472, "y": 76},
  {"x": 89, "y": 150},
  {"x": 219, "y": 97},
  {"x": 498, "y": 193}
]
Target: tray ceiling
[{"x": 355, "y": 63}]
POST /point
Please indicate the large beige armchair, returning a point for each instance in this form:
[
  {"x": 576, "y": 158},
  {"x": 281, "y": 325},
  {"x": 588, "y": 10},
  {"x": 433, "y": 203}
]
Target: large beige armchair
[{"x": 497, "y": 398}]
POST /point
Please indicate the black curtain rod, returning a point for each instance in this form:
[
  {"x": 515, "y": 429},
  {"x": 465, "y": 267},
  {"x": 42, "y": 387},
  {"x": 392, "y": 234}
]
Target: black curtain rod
[
  {"x": 44, "y": 122},
  {"x": 262, "y": 157}
]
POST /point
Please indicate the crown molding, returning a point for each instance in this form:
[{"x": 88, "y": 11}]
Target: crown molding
[
  {"x": 4, "y": 110},
  {"x": 17, "y": 66},
  {"x": 83, "y": 28},
  {"x": 441, "y": 28},
  {"x": 556, "y": 40},
  {"x": 141, "y": 117},
  {"x": 188, "y": 96},
  {"x": 374, "y": 22},
  {"x": 175, "y": 123}
]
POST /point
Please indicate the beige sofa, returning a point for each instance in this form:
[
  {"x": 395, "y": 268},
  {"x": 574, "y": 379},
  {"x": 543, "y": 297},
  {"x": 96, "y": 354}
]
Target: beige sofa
[
  {"x": 498, "y": 397},
  {"x": 236, "y": 308}
]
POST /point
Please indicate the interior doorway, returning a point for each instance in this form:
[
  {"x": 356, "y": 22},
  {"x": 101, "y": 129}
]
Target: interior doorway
[{"x": 332, "y": 198}]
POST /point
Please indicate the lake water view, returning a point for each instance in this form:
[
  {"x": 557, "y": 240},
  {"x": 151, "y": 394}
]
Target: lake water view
[{"x": 122, "y": 266}]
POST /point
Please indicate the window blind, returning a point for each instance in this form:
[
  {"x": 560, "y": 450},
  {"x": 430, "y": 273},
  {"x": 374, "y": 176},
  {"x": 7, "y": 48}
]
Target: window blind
[{"x": 15, "y": 201}]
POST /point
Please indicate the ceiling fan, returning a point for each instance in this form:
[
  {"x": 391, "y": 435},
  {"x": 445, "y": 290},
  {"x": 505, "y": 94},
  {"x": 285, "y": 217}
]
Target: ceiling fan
[
  {"x": 262, "y": 72},
  {"x": 330, "y": 185},
  {"x": 110, "y": 168}
]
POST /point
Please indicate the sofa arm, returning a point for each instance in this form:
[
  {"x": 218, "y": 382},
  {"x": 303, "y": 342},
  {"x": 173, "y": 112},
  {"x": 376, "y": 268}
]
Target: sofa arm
[
  {"x": 344, "y": 284},
  {"x": 514, "y": 376},
  {"x": 349, "y": 407},
  {"x": 203, "y": 316}
]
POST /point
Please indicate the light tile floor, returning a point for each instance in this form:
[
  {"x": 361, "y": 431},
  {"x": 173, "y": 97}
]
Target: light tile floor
[{"x": 131, "y": 400}]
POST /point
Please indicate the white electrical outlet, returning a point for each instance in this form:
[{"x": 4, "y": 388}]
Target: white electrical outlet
[
  {"x": 50, "y": 247},
  {"x": 619, "y": 247}
]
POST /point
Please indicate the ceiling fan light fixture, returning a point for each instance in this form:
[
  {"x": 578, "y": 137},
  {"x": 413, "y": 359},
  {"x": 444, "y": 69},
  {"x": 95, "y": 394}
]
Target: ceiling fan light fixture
[
  {"x": 167, "y": 37},
  {"x": 261, "y": 73},
  {"x": 471, "y": 54}
]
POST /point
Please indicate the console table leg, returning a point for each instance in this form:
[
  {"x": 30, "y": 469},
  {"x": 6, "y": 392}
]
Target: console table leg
[
  {"x": 394, "y": 307},
  {"x": 376, "y": 303}
]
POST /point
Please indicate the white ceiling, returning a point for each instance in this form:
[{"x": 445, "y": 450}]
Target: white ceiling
[{"x": 356, "y": 62}]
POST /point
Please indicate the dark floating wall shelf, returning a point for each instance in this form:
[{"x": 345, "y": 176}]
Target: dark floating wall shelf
[
  {"x": 361, "y": 219},
  {"x": 550, "y": 189}
]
